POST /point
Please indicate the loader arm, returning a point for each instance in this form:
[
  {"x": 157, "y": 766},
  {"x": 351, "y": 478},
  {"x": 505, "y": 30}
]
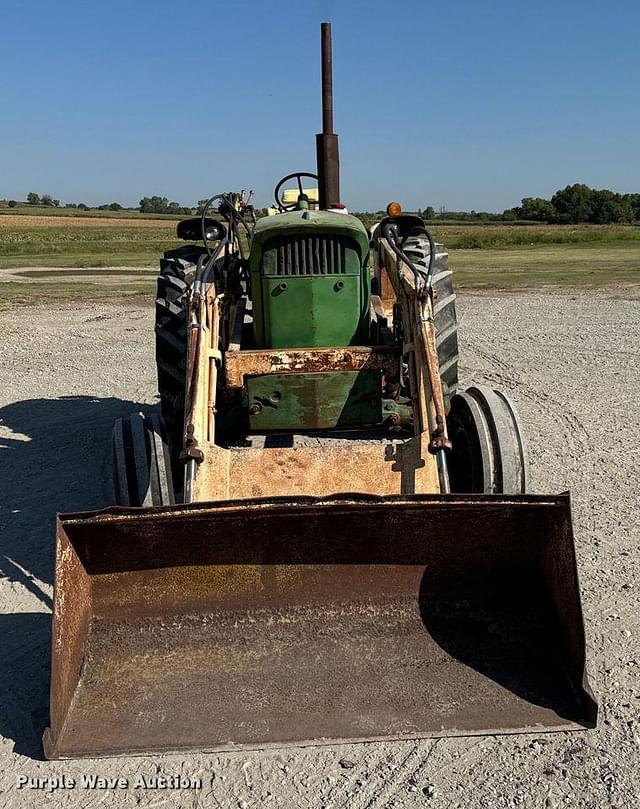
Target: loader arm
[
  {"x": 419, "y": 345},
  {"x": 204, "y": 360}
]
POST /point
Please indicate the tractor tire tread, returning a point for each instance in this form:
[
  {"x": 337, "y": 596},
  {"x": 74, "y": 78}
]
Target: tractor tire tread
[
  {"x": 177, "y": 271},
  {"x": 444, "y": 310},
  {"x": 141, "y": 465}
]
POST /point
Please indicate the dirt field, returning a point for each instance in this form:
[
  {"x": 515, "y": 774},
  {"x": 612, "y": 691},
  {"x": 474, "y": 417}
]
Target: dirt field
[
  {"x": 571, "y": 361},
  {"x": 27, "y": 222}
]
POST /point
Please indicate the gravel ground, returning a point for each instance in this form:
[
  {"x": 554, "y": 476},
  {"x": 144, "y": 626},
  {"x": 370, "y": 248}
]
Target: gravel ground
[{"x": 571, "y": 361}]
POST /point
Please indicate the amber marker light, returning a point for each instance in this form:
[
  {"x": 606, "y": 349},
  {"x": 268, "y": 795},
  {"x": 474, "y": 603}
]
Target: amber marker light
[{"x": 394, "y": 209}]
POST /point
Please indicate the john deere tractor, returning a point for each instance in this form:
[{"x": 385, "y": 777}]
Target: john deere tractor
[{"x": 320, "y": 536}]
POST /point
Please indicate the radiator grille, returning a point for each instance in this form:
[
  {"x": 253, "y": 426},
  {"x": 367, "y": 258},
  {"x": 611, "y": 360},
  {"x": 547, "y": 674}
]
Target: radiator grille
[{"x": 307, "y": 255}]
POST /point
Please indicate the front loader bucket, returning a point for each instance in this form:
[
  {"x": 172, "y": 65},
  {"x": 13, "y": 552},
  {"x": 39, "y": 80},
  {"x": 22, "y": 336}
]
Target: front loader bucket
[{"x": 296, "y": 621}]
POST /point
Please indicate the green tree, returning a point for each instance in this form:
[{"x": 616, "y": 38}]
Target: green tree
[
  {"x": 574, "y": 203},
  {"x": 115, "y": 206},
  {"x": 154, "y": 204},
  {"x": 632, "y": 202},
  {"x": 33, "y": 198},
  {"x": 147, "y": 204},
  {"x": 12, "y": 203},
  {"x": 47, "y": 200},
  {"x": 429, "y": 212},
  {"x": 538, "y": 209},
  {"x": 609, "y": 207},
  {"x": 162, "y": 205}
]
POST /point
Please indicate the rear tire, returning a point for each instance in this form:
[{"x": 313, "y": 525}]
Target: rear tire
[
  {"x": 488, "y": 454},
  {"x": 177, "y": 271},
  {"x": 444, "y": 307},
  {"x": 141, "y": 464}
]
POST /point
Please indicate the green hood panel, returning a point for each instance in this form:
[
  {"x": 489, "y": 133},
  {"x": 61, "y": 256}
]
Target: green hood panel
[
  {"x": 294, "y": 223},
  {"x": 318, "y": 292}
]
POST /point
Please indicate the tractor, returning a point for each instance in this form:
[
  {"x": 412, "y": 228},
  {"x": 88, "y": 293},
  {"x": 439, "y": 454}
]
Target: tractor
[{"x": 320, "y": 536}]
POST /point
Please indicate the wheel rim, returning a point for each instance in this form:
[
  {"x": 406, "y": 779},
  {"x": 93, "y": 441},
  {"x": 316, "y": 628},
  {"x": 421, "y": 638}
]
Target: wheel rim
[
  {"x": 489, "y": 453},
  {"x": 471, "y": 461}
]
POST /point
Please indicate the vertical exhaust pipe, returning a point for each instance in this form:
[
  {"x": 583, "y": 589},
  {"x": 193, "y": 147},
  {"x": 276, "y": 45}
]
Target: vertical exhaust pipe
[{"x": 327, "y": 142}]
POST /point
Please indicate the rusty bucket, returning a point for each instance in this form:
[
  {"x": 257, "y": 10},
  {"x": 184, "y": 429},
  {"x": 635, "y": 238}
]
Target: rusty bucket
[{"x": 298, "y": 621}]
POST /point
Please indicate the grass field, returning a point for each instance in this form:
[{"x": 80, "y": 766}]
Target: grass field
[
  {"x": 41, "y": 210},
  {"x": 492, "y": 255},
  {"x": 76, "y": 241},
  {"x": 500, "y": 235},
  {"x": 589, "y": 263},
  {"x": 14, "y": 293}
]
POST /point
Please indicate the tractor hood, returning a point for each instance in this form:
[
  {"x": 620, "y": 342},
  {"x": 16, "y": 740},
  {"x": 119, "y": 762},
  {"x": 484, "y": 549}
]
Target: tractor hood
[{"x": 306, "y": 222}]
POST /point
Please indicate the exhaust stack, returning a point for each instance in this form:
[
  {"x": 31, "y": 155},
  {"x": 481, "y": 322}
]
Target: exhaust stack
[{"x": 327, "y": 142}]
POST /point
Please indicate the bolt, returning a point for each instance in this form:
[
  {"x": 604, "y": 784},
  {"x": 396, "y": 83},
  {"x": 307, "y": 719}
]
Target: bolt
[{"x": 255, "y": 409}]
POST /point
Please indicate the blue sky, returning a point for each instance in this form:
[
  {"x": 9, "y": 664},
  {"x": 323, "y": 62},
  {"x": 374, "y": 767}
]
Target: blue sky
[{"x": 469, "y": 105}]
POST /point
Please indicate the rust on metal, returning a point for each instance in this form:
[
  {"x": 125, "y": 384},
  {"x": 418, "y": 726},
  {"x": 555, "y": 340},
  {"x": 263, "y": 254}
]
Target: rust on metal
[
  {"x": 237, "y": 320},
  {"x": 425, "y": 328},
  {"x": 196, "y": 313},
  {"x": 226, "y": 626},
  {"x": 419, "y": 331},
  {"x": 240, "y": 364},
  {"x": 377, "y": 467},
  {"x": 387, "y": 291}
]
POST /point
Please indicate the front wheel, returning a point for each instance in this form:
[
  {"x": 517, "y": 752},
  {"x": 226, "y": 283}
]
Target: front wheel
[
  {"x": 177, "y": 271},
  {"x": 488, "y": 454},
  {"x": 141, "y": 466}
]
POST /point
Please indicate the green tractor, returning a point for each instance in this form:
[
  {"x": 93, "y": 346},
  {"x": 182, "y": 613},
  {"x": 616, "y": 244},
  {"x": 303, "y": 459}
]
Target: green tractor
[{"x": 321, "y": 537}]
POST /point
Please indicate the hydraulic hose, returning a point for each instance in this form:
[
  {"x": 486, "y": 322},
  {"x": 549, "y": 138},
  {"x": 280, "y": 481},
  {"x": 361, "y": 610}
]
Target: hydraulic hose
[{"x": 423, "y": 279}]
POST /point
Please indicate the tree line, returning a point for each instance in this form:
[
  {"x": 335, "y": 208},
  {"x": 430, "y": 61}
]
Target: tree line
[
  {"x": 154, "y": 204},
  {"x": 575, "y": 204},
  {"x": 578, "y": 203}
]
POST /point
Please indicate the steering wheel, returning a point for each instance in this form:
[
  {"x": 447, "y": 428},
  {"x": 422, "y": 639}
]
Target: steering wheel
[{"x": 298, "y": 175}]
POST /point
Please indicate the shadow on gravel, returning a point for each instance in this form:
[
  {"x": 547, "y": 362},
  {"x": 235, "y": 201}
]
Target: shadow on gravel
[
  {"x": 25, "y": 658},
  {"x": 55, "y": 459},
  {"x": 58, "y": 460}
]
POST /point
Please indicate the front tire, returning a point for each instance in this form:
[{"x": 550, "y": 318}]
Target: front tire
[
  {"x": 445, "y": 319},
  {"x": 177, "y": 271},
  {"x": 141, "y": 464},
  {"x": 488, "y": 454}
]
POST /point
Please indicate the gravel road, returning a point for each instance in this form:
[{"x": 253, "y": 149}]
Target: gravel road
[{"x": 571, "y": 361}]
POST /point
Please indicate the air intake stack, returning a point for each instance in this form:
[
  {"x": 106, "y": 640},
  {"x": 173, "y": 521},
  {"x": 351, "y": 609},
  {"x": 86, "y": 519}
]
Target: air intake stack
[{"x": 327, "y": 141}]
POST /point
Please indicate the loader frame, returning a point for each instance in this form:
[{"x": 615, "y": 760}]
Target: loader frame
[{"x": 404, "y": 466}]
